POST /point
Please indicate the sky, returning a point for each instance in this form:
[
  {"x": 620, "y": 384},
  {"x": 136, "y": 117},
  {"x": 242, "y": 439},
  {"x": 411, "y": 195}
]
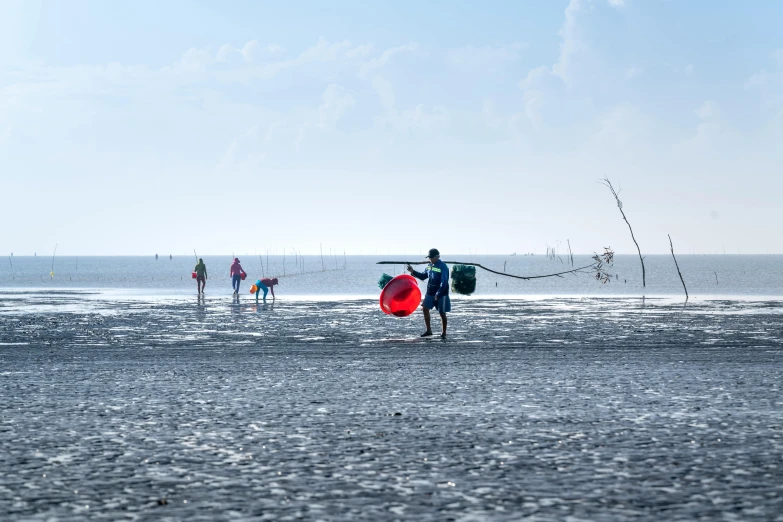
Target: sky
[{"x": 373, "y": 127}]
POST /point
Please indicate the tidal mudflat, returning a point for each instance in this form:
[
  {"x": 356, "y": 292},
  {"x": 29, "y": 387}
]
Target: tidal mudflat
[{"x": 544, "y": 409}]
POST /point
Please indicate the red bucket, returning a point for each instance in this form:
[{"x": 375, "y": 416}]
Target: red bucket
[
  {"x": 194, "y": 275},
  {"x": 401, "y": 296},
  {"x": 243, "y": 276}
]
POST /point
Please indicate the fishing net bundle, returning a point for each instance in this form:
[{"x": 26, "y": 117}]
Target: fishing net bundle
[
  {"x": 384, "y": 280},
  {"x": 463, "y": 279}
]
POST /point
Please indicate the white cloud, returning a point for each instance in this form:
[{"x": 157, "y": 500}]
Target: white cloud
[
  {"x": 225, "y": 52},
  {"x": 768, "y": 85},
  {"x": 777, "y": 55},
  {"x": 196, "y": 59},
  {"x": 707, "y": 110},
  {"x": 619, "y": 128},
  {"x": 711, "y": 137},
  {"x": 689, "y": 69},
  {"x": 536, "y": 87},
  {"x": 490, "y": 116},
  {"x": 255, "y": 60},
  {"x": 245, "y": 154},
  {"x": 617, "y": 3},
  {"x": 544, "y": 83},
  {"x": 492, "y": 58},
  {"x": 386, "y": 56},
  {"x": 633, "y": 72},
  {"x": 253, "y": 51},
  {"x": 385, "y": 92},
  {"x": 325, "y": 51},
  {"x": 424, "y": 117},
  {"x": 336, "y": 100},
  {"x": 571, "y": 45}
]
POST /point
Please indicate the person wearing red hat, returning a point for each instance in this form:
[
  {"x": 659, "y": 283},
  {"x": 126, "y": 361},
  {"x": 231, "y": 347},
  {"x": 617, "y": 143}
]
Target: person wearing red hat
[{"x": 236, "y": 275}]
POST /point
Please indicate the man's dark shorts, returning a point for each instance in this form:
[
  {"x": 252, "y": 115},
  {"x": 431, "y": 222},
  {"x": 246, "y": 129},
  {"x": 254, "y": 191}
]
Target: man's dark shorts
[{"x": 443, "y": 303}]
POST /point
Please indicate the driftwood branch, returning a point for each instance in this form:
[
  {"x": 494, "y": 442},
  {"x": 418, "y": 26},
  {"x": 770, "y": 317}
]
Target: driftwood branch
[
  {"x": 526, "y": 278},
  {"x": 678, "y": 268},
  {"x": 608, "y": 184}
]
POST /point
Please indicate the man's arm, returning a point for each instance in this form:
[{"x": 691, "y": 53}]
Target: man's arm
[
  {"x": 418, "y": 275},
  {"x": 205, "y": 272},
  {"x": 272, "y": 289}
]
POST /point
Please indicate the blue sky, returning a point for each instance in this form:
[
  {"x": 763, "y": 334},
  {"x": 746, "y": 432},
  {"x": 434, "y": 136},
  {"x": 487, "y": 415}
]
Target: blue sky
[{"x": 131, "y": 128}]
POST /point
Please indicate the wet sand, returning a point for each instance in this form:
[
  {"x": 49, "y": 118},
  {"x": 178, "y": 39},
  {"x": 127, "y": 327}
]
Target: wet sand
[{"x": 579, "y": 409}]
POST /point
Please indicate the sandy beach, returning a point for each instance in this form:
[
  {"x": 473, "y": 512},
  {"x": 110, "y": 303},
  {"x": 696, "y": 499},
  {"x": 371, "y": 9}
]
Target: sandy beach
[{"x": 553, "y": 409}]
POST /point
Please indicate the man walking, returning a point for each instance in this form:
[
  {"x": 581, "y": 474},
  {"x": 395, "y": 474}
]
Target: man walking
[
  {"x": 201, "y": 275},
  {"x": 437, "y": 276}
]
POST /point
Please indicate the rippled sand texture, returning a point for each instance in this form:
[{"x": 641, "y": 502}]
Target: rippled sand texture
[{"x": 589, "y": 409}]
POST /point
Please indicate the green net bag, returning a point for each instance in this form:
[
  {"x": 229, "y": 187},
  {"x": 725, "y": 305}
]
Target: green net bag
[
  {"x": 384, "y": 280},
  {"x": 463, "y": 279}
]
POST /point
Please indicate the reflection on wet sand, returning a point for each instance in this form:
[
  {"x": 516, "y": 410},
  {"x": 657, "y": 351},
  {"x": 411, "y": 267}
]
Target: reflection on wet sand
[{"x": 581, "y": 409}]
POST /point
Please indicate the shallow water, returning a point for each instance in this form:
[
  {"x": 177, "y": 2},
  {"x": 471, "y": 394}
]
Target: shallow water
[
  {"x": 732, "y": 275},
  {"x": 593, "y": 409}
]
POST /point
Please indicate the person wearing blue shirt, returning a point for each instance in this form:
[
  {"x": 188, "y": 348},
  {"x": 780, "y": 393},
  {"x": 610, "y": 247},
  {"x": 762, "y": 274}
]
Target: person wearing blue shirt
[{"x": 437, "y": 276}]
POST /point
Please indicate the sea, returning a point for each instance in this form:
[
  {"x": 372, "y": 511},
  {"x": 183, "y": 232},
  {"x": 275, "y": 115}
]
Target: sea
[{"x": 334, "y": 277}]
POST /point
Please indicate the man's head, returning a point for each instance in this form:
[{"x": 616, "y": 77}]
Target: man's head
[
  {"x": 433, "y": 255},
  {"x": 274, "y": 281},
  {"x": 200, "y": 260},
  {"x": 236, "y": 260}
]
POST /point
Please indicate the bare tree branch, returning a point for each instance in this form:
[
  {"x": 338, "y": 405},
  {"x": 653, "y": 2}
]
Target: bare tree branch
[
  {"x": 608, "y": 184},
  {"x": 678, "y": 268}
]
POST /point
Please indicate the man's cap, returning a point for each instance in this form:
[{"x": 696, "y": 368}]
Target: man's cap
[{"x": 433, "y": 252}]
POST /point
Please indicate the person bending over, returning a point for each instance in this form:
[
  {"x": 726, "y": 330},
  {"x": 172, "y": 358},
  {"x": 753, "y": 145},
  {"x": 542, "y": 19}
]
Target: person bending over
[
  {"x": 265, "y": 285},
  {"x": 437, "y": 276}
]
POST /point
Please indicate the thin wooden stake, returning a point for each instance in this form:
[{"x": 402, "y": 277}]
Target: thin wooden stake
[
  {"x": 51, "y": 274},
  {"x": 570, "y": 254}
]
